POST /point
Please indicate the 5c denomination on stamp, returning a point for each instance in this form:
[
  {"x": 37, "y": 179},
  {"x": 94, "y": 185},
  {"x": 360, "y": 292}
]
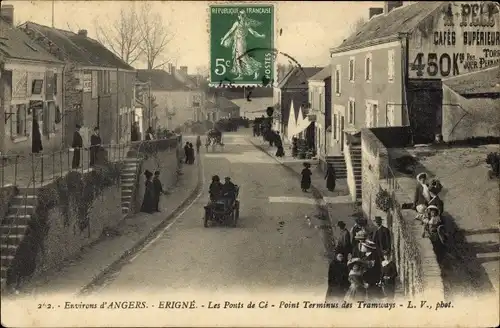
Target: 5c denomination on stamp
[{"x": 234, "y": 30}]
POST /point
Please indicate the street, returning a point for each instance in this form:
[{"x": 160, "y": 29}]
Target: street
[{"x": 271, "y": 247}]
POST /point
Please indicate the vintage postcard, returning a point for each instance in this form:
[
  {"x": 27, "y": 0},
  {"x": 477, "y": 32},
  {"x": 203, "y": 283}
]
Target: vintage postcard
[{"x": 249, "y": 163}]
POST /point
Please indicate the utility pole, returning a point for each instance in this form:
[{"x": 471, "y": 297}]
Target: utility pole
[
  {"x": 149, "y": 101},
  {"x": 53, "y": 5}
]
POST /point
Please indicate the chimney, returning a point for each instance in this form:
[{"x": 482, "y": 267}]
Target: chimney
[
  {"x": 390, "y": 5},
  {"x": 375, "y": 11},
  {"x": 184, "y": 70},
  {"x": 82, "y": 33},
  {"x": 7, "y": 13},
  {"x": 171, "y": 68}
]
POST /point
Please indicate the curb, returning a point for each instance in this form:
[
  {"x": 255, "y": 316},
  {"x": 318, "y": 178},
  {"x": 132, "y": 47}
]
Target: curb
[
  {"x": 317, "y": 194},
  {"x": 121, "y": 261}
]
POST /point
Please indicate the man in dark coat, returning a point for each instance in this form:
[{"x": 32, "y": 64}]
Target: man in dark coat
[
  {"x": 134, "y": 135},
  {"x": 77, "y": 146},
  {"x": 344, "y": 245},
  {"x": 95, "y": 146},
  {"x": 338, "y": 282},
  {"x": 381, "y": 237},
  {"x": 373, "y": 270},
  {"x": 186, "y": 152}
]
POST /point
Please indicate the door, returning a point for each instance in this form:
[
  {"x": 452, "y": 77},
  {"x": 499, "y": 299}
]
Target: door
[
  {"x": 375, "y": 115},
  {"x": 389, "y": 116},
  {"x": 342, "y": 133}
]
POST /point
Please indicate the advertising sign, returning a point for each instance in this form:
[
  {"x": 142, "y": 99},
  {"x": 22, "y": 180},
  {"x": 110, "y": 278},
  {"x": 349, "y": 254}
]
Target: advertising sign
[{"x": 462, "y": 37}]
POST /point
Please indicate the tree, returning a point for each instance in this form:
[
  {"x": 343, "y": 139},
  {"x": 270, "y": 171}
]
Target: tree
[
  {"x": 357, "y": 25},
  {"x": 154, "y": 35},
  {"x": 123, "y": 38}
]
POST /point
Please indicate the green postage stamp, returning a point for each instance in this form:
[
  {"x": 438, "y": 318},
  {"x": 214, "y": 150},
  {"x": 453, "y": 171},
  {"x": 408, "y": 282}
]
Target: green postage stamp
[{"x": 241, "y": 44}]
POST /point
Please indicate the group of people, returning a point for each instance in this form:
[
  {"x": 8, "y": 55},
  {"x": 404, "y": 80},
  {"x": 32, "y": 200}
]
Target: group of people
[
  {"x": 152, "y": 193},
  {"x": 362, "y": 267},
  {"x": 189, "y": 152},
  {"x": 222, "y": 191},
  {"x": 429, "y": 207},
  {"x": 306, "y": 173}
]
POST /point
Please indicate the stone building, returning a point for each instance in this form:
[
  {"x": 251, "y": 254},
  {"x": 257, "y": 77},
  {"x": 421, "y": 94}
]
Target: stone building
[{"x": 98, "y": 87}]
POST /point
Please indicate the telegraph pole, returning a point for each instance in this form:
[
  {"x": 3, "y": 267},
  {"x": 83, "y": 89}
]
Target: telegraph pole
[{"x": 53, "y": 5}]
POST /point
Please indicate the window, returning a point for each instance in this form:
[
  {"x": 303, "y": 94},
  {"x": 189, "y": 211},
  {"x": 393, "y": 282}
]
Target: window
[
  {"x": 368, "y": 67},
  {"x": 95, "y": 79},
  {"x": 351, "y": 114},
  {"x": 310, "y": 100},
  {"x": 106, "y": 82},
  {"x": 351, "y": 69},
  {"x": 196, "y": 101},
  {"x": 18, "y": 127},
  {"x": 334, "y": 126},
  {"x": 389, "y": 115},
  {"x": 321, "y": 104},
  {"x": 338, "y": 88},
  {"x": 55, "y": 83},
  {"x": 36, "y": 87},
  {"x": 390, "y": 65}
]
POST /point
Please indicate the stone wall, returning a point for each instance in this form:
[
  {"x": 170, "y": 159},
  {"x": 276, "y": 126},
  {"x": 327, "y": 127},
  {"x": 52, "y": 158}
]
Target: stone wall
[
  {"x": 6, "y": 195},
  {"x": 418, "y": 270}
]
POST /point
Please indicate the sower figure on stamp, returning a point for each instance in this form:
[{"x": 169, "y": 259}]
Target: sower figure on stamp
[
  {"x": 77, "y": 145},
  {"x": 243, "y": 64}
]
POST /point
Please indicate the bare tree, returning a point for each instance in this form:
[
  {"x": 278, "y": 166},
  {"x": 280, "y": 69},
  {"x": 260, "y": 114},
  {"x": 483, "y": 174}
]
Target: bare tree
[
  {"x": 357, "y": 25},
  {"x": 155, "y": 36},
  {"x": 123, "y": 36}
]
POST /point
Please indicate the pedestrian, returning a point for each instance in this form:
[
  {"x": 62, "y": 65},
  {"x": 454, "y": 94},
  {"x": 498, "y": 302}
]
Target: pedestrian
[
  {"x": 186, "y": 153},
  {"x": 134, "y": 134},
  {"x": 191, "y": 154},
  {"x": 158, "y": 188},
  {"x": 148, "y": 202},
  {"x": 357, "y": 287},
  {"x": 77, "y": 146},
  {"x": 338, "y": 278},
  {"x": 422, "y": 195},
  {"x": 356, "y": 236},
  {"x": 373, "y": 270},
  {"x": 359, "y": 237},
  {"x": 198, "y": 144},
  {"x": 330, "y": 177},
  {"x": 95, "y": 146},
  {"x": 36, "y": 141},
  {"x": 388, "y": 276},
  {"x": 279, "y": 144},
  {"x": 344, "y": 244},
  {"x": 149, "y": 134},
  {"x": 305, "y": 182},
  {"x": 295, "y": 147},
  {"x": 381, "y": 237}
]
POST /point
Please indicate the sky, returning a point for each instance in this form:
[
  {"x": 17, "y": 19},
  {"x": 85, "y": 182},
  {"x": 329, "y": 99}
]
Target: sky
[{"x": 309, "y": 28}]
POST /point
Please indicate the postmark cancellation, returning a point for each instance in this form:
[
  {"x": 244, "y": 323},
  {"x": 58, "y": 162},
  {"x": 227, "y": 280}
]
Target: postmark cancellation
[{"x": 242, "y": 40}]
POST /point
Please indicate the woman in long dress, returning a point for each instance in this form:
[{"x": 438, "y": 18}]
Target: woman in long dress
[
  {"x": 330, "y": 177},
  {"x": 305, "y": 182},
  {"x": 148, "y": 202},
  {"x": 243, "y": 64},
  {"x": 388, "y": 276},
  {"x": 357, "y": 288}
]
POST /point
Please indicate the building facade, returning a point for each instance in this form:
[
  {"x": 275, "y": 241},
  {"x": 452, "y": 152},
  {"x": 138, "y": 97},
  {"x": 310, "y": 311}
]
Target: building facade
[
  {"x": 97, "y": 86},
  {"x": 177, "y": 103},
  {"x": 30, "y": 88},
  {"x": 320, "y": 110}
]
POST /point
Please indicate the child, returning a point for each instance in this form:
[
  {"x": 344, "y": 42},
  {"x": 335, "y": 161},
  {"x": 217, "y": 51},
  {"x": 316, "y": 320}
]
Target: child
[
  {"x": 158, "y": 188},
  {"x": 432, "y": 222}
]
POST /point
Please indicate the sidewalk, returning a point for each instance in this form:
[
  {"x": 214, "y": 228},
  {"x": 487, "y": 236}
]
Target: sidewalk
[
  {"x": 75, "y": 274},
  {"x": 338, "y": 203}
]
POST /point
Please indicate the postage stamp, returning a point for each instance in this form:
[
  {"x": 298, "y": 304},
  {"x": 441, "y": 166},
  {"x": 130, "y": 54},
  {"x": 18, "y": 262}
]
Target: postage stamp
[{"x": 241, "y": 43}]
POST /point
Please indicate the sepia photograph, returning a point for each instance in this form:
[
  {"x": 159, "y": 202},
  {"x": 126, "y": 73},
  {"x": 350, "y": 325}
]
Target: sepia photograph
[{"x": 249, "y": 163}]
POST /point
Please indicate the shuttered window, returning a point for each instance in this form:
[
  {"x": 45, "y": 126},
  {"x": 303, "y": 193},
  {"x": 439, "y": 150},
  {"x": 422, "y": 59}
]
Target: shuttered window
[{"x": 390, "y": 65}]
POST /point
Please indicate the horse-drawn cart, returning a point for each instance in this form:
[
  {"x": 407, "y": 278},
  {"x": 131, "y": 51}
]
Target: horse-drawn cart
[{"x": 223, "y": 211}]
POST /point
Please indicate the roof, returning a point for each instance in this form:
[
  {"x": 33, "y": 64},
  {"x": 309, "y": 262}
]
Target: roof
[
  {"x": 14, "y": 43},
  {"x": 223, "y": 103},
  {"x": 297, "y": 78},
  {"x": 485, "y": 81},
  {"x": 160, "y": 80},
  {"x": 81, "y": 49},
  {"x": 322, "y": 75},
  {"x": 399, "y": 20}
]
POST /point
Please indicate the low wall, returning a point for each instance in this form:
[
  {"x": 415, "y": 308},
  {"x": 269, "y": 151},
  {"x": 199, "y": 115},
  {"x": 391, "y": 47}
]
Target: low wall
[
  {"x": 351, "y": 182},
  {"x": 418, "y": 269},
  {"x": 465, "y": 118}
]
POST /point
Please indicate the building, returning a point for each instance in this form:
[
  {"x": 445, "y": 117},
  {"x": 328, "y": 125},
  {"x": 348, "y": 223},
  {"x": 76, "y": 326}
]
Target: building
[
  {"x": 178, "y": 102},
  {"x": 97, "y": 86},
  {"x": 390, "y": 73},
  {"x": 293, "y": 88},
  {"x": 320, "y": 110},
  {"x": 30, "y": 88}
]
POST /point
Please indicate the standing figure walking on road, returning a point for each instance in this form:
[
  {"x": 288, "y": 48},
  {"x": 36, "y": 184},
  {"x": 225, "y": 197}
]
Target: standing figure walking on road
[
  {"x": 198, "y": 144},
  {"x": 148, "y": 202},
  {"x": 191, "y": 154},
  {"x": 186, "y": 153},
  {"x": 158, "y": 190},
  {"x": 306, "y": 173},
  {"x": 77, "y": 146},
  {"x": 330, "y": 177}
]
